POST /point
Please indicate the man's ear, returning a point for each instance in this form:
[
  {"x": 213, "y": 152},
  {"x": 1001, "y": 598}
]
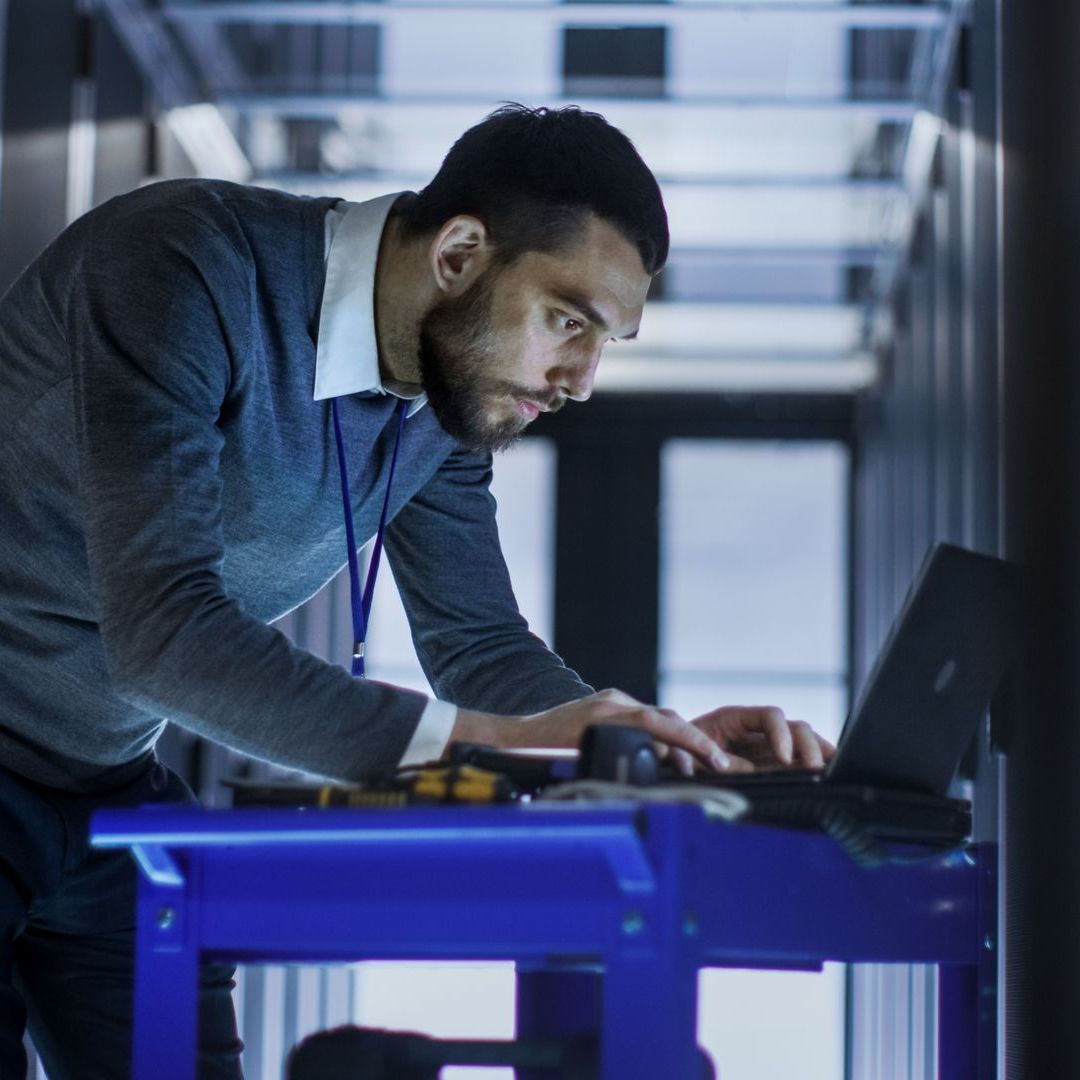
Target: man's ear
[{"x": 460, "y": 253}]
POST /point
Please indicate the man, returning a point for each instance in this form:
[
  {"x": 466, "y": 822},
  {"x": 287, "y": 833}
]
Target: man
[{"x": 183, "y": 374}]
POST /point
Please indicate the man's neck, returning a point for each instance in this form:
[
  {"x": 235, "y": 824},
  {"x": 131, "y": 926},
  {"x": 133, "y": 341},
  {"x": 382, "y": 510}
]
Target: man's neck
[{"x": 400, "y": 301}]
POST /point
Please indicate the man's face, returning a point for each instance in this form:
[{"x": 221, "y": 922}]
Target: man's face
[{"x": 526, "y": 337}]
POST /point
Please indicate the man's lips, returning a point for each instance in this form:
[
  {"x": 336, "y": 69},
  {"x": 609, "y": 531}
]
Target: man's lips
[{"x": 531, "y": 408}]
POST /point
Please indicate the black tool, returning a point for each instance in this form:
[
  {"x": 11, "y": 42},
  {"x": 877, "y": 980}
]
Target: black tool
[{"x": 623, "y": 755}]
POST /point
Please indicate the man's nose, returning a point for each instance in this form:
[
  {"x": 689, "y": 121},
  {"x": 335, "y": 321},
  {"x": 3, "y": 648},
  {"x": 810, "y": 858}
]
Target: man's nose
[{"x": 576, "y": 381}]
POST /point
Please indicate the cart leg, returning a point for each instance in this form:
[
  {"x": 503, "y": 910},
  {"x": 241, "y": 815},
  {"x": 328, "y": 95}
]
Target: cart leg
[
  {"x": 650, "y": 1020},
  {"x": 967, "y": 993},
  {"x": 556, "y": 1003},
  {"x": 958, "y": 1026},
  {"x": 166, "y": 988}
]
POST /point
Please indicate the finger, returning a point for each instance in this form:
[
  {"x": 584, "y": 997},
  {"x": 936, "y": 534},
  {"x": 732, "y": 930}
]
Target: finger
[
  {"x": 681, "y": 761},
  {"x": 774, "y": 725},
  {"x": 669, "y": 727},
  {"x": 828, "y": 751},
  {"x": 738, "y": 764},
  {"x": 807, "y": 747},
  {"x": 754, "y": 747},
  {"x": 735, "y": 723},
  {"x": 677, "y": 756},
  {"x": 713, "y": 717}
]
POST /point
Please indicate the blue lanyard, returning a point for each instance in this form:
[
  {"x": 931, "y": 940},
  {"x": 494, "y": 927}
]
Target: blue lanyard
[{"x": 361, "y": 607}]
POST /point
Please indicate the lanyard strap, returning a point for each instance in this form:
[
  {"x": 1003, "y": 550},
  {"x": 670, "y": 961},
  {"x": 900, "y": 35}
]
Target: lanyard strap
[{"x": 361, "y": 606}]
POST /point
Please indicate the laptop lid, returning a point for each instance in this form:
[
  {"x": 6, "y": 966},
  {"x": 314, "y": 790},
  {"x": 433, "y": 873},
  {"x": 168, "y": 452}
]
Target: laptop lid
[{"x": 931, "y": 683}]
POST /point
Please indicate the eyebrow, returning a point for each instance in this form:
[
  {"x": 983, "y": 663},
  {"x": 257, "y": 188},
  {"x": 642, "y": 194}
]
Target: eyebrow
[{"x": 583, "y": 306}]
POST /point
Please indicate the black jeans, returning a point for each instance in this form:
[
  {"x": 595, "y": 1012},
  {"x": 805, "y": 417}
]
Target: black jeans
[{"x": 67, "y": 921}]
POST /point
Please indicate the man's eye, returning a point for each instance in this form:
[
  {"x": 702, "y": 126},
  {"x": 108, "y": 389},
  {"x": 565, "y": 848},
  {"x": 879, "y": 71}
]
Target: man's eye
[{"x": 571, "y": 324}]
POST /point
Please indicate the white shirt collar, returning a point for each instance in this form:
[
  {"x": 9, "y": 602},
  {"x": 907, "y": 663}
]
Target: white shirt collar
[{"x": 347, "y": 353}]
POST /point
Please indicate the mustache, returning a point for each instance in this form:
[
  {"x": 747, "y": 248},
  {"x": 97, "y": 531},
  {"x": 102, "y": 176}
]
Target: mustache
[{"x": 551, "y": 400}]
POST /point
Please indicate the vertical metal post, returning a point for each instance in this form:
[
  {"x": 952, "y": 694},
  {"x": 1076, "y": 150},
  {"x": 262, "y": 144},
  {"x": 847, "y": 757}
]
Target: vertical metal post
[
  {"x": 649, "y": 1017},
  {"x": 166, "y": 981},
  {"x": 967, "y": 993},
  {"x": 3, "y": 90},
  {"x": 1040, "y": 136},
  {"x": 649, "y": 1014},
  {"x": 958, "y": 992},
  {"x": 608, "y": 490},
  {"x": 37, "y": 78},
  {"x": 986, "y": 1005},
  {"x": 556, "y": 1004}
]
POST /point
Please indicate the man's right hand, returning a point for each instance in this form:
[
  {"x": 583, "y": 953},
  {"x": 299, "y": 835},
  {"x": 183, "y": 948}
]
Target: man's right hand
[{"x": 563, "y": 726}]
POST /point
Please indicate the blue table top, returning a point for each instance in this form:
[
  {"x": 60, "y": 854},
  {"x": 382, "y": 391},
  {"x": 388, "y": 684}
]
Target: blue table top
[{"x": 752, "y": 894}]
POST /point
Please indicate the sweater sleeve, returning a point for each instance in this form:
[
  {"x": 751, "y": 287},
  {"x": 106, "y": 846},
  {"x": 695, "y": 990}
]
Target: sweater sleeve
[
  {"x": 157, "y": 324},
  {"x": 473, "y": 644}
]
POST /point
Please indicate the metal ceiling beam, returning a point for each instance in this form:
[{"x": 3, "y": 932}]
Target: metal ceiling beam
[
  {"x": 834, "y": 375},
  {"x": 401, "y": 181},
  {"x": 197, "y": 124},
  {"x": 722, "y": 327},
  {"x": 705, "y": 357},
  {"x": 3, "y": 83},
  {"x": 148, "y": 41},
  {"x": 919, "y": 153},
  {"x": 311, "y": 12},
  {"x": 209, "y": 47},
  {"x": 702, "y": 218},
  {"x": 317, "y": 105},
  {"x": 859, "y": 255}
]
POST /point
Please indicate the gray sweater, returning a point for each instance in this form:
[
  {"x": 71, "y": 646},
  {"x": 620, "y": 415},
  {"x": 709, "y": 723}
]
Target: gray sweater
[{"x": 168, "y": 488}]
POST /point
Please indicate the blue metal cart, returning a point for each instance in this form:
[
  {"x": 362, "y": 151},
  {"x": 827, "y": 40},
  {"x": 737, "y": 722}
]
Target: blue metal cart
[{"x": 608, "y": 910}]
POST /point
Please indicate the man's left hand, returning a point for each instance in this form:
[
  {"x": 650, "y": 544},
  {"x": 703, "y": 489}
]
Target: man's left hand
[{"x": 762, "y": 737}]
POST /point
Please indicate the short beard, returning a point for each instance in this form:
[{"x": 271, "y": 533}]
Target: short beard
[{"x": 457, "y": 358}]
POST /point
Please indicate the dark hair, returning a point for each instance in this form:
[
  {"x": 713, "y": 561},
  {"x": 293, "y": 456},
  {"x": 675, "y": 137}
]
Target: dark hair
[{"x": 531, "y": 175}]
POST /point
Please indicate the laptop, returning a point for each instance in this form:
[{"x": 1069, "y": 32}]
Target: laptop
[{"x": 916, "y": 714}]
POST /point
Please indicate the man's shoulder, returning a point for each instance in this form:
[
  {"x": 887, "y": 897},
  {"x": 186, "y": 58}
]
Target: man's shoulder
[
  {"x": 218, "y": 203},
  {"x": 224, "y": 228}
]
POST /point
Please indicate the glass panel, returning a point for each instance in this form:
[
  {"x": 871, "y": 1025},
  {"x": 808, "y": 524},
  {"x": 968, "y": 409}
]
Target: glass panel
[
  {"x": 741, "y": 1015},
  {"x": 753, "y": 559},
  {"x": 449, "y": 1001}
]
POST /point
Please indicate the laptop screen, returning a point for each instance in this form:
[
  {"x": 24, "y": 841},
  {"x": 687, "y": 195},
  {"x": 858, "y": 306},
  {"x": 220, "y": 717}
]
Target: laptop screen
[{"x": 931, "y": 683}]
